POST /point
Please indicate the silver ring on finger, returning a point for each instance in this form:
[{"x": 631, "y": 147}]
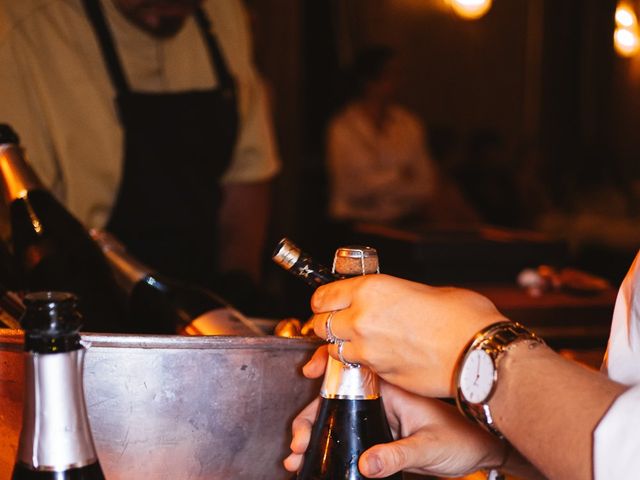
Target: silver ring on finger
[
  {"x": 341, "y": 355},
  {"x": 331, "y": 338}
]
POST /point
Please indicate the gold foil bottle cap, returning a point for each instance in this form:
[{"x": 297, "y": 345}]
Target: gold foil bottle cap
[
  {"x": 289, "y": 327},
  {"x": 356, "y": 260}
]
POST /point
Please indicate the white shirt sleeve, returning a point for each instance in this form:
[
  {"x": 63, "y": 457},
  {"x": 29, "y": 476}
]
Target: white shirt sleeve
[
  {"x": 616, "y": 440},
  {"x": 616, "y": 453},
  {"x": 255, "y": 157},
  {"x": 21, "y": 110}
]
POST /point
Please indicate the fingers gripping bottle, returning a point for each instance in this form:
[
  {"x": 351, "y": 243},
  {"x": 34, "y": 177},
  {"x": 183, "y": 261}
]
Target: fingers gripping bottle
[{"x": 351, "y": 417}]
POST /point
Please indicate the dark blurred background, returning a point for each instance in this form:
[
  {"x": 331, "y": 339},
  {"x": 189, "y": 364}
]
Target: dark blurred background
[{"x": 529, "y": 108}]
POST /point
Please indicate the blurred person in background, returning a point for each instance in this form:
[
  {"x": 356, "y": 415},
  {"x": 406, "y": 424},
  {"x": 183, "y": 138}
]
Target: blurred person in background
[
  {"x": 147, "y": 118},
  {"x": 379, "y": 165}
]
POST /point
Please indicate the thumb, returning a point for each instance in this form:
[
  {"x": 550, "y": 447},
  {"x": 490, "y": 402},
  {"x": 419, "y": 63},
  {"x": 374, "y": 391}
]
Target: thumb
[
  {"x": 388, "y": 458},
  {"x": 315, "y": 367}
]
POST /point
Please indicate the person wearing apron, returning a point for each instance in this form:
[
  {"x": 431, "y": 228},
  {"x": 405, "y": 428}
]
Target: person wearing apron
[{"x": 177, "y": 146}]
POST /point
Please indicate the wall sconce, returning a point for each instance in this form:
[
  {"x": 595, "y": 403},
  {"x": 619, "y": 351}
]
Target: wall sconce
[
  {"x": 626, "y": 37},
  {"x": 470, "y": 9}
]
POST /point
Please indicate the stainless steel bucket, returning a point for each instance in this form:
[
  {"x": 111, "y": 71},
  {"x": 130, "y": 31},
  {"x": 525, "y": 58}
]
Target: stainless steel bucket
[{"x": 170, "y": 407}]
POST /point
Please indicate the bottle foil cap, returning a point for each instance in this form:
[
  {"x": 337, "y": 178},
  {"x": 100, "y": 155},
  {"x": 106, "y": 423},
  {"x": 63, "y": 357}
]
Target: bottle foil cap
[{"x": 356, "y": 260}]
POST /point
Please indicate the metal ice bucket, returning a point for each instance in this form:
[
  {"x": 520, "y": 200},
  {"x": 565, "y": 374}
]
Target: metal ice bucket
[{"x": 170, "y": 407}]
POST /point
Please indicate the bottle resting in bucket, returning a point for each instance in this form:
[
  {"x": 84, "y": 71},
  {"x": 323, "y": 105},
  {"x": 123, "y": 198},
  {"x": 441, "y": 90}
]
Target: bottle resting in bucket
[{"x": 55, "y": 440}]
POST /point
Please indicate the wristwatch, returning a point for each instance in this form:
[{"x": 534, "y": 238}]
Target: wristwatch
[
  {"x": 494, "y": 474},
  {"x": 478, "y": 369}
]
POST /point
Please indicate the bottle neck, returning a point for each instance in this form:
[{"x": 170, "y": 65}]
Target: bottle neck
[
  {"x": 290, "y": 257},
  {"x": 127, "y": 270},
  {"x": 55, "y": 432},
  {"x": 313, "y": 273},
  {"x": 346, "y": 382},
  {"x": 16, "y": 175},
  {"x": 11, "y": 308}
]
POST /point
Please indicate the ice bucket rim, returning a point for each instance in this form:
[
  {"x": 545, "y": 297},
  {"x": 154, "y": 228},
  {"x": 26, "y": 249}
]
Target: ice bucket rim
[{"x": 13, "y": 340}]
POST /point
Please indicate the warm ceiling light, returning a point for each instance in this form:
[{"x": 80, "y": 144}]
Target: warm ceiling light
[
  {"x": 625, "y": 16},
  {"x": 626, "y": 38},
  {"x": 626, "y": 42},
  {"x": 471, "y": 9}
]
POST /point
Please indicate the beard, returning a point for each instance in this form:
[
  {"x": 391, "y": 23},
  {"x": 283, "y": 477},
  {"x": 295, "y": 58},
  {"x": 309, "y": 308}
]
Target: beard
[{"x": 160, "y": 18}]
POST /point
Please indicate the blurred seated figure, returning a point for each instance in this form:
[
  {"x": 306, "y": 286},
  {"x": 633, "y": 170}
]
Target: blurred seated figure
[{"x": 380, "y": 169}]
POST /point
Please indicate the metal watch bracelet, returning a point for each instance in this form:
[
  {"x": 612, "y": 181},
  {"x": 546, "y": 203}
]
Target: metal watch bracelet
[{"x": 495, "y": 340}]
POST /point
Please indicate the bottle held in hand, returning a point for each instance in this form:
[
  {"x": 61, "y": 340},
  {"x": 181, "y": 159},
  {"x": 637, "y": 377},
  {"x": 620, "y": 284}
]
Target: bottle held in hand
[
  {"x": 55, "y": 440},
  {"x": 158, "y": 304},
  {"x": 351, "y": 416},
  {"x": 52, "y": 250},
  {"x": 289, "y": 256}
]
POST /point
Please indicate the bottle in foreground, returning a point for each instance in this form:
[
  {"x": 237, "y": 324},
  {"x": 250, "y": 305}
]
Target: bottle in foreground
[
  {"x": 158, "y": 304},
  {"x": 55, "y": 441},
  {"x": 351, "y": 417},
  {"x": 52, "y": 249}
]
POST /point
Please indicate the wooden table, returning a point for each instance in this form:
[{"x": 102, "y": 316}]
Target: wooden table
[{"x": 564, "y": 320}]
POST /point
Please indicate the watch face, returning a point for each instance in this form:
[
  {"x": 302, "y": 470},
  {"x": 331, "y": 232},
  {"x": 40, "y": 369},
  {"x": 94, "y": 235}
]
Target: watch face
[{"x": 476, "y": 377}]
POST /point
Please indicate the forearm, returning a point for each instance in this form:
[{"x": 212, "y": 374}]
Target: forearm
[
  {"x": 244, "y": 216},
  {"x": 520, "y": 467},
  {"x": 549, "y": 407}
]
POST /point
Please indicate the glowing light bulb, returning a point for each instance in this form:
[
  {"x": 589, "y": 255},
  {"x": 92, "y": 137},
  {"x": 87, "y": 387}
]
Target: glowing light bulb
[
  {"x": 471, "y": 9},
  {"x": 626, "y": 41},
  {"x": 625, "y": 16}
]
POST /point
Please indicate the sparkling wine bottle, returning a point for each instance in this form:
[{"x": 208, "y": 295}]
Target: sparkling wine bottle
[
  {"x": 289, "y": 256},
  {"x": 158, "y": 304},
  {"x": 55, "y": 440},
  {"x": 351, "y": 416},
  {"x": 7, "y": 265},
  {"x": 11, "y": 308},
  {"x": 52, "y": 249}
]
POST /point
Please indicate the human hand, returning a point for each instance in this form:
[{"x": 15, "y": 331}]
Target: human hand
[
  {"x": 410, "y": 334},
  {"x": 433, "y": 438}
]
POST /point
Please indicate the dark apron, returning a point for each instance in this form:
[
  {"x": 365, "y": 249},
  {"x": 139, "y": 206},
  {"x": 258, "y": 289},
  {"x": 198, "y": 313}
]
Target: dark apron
[{"x": 176, "y": 148}]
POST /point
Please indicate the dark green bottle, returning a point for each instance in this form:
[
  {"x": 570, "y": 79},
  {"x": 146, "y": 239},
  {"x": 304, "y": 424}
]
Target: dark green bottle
[
  {"x": 52, "y": 249},
  {"x": 55, "y": 440},
  {"x": 351, "y": 416}
]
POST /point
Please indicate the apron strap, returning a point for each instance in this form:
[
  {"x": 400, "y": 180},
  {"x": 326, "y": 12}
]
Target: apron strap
[
  {"x": 114, "y": 65},
  {"x": 224, "y": 76},
  {"x": 105, "y": 38}
]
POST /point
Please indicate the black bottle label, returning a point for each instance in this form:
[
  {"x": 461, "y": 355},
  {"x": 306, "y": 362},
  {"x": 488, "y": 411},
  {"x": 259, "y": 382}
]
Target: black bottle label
[
  {"x": 343, "y": 430},
  {"x": 88, "y": 472}
]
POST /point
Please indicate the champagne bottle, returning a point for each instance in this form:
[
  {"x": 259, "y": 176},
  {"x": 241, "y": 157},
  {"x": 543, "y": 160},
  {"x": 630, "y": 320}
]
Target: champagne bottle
[
  {"x": 289, "y": 256},
  {"x": 11, "y": 308},
  {"x": 351, "y": 416},
  {"x": 55, "y": 440},
  {"x": 52, "y": 249},
  {"x": 7, "y": 265},
  {"x": 158, "y": 304}
]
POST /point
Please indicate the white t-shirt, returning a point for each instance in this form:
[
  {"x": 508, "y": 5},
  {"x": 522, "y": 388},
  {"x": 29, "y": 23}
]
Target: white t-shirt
[
  {"x": 617, "y": 437},
  {"x": 56, "y": 93},
  {"x": 378, "y": 175}
]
